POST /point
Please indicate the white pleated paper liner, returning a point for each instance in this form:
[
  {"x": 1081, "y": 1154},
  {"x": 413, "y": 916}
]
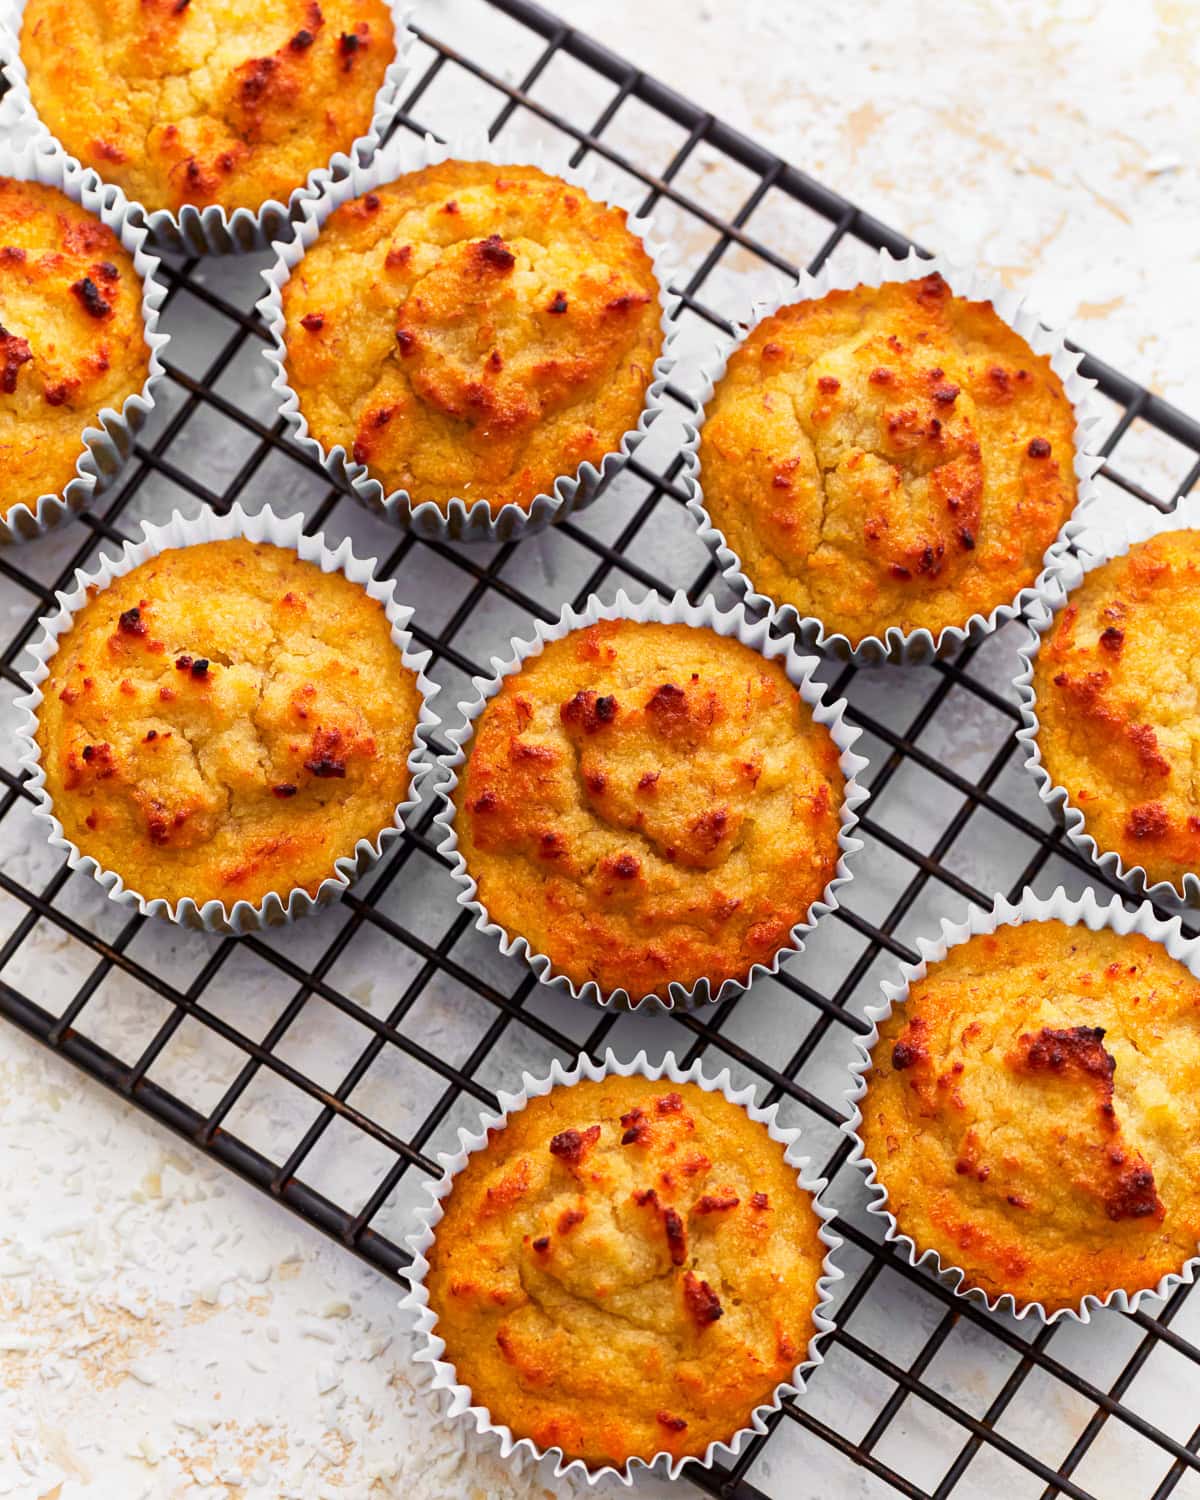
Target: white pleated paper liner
[
  {"x": 896, "y": 645},
  {"x": 277, "y": 908},
  {"x": 1094, "y": 548},
  {"x": 108, "y": 441},
  {"x": 443, "y": 1376},
  {"x": 676, "y": 610},
  {"x": 213, "y": 230},
  {"x": 1086, "y": 911},
  {"x": 475, "y": 521}
]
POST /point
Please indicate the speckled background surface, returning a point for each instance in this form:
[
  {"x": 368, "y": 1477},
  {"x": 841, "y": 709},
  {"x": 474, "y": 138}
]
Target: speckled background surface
[{"x": 165, "y": 1331}]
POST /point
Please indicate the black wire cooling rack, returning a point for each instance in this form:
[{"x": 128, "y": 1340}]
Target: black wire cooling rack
[{"x": 908, "y": 1362}]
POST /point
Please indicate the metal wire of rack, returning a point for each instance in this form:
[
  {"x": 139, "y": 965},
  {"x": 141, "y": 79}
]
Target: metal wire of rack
[{"x": 905, "y": 877}]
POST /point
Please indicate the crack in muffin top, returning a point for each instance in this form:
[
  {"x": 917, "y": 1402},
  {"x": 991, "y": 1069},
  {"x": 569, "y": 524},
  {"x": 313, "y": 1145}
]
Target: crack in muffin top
[
  {"x": 72, "y": 339},
  {"x": 227, "y": 720},
  {"x": 648, "y": 803},
  {"x": 206, "y": 101},
  {"x": 473, "y": 330},
  {"x": 891, "y": 456},
  {"x": 626, "y": 1268}
]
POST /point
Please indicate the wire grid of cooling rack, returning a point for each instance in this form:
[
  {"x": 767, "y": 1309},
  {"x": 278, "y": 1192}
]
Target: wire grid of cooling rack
[{"x": 951, "y": 818}]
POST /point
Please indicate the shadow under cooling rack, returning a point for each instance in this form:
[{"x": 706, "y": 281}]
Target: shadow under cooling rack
[{"x": 375, "y": 1029}]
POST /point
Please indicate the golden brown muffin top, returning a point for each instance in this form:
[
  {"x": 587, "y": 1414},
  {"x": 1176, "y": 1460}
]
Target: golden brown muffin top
[
  {"x": 626, "y": 1268},
  {"x": 1118, "y": 703},
  {"x": 1034, "y": 1113},
  {"x": 226, "y": 721},
  {"x": 72, "y": 340},
  {"x": 649, "y": 803},
  {"x": 474, "y": 331},
  {"x": 206, "y": 101},
  {"x": 889, "y": 456}
]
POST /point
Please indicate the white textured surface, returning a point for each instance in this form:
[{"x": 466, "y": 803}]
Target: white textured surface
[
  {"x": 1055, "y": 143},
  {"x": 164, "y": 1330}
]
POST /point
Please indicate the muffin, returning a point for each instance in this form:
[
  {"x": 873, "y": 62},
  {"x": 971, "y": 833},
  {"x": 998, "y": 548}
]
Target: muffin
[
  {"x": 473, "y": 331},
  {"x": 890, "y": 456},
  {"x": 1033, "y": 1111},
  {"x": 1116, "y": 704},
  {"x": 649, "y": 803},
  {"x": 627, "y": 1268},
  {"x": 72, "y": 338},
  {"x": 206, "y": 101},
  {"x": 226, "y": 721}
]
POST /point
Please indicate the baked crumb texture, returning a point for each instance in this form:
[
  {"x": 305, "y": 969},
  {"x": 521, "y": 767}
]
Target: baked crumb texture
[
  {"x": 889, "y": 456},
  {"x": 226, "y": 721},
  {"x": 206, "y": 101},
  {"x": 1033, "y": 1110},
  {"x": 627, "y": 1268},
  {"x": 473, "y": 331},
  {"x": 648, "y": 803},
  {"x": 72, "y": 340},
  {"x": 1118, "y": 704}
]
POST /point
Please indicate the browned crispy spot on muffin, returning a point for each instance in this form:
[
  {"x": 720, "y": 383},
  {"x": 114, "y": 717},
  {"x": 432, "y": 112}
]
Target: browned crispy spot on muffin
[
  {"x": 1045, "y": 1140},
  {"x": 211, "y": 101},
  {"x": 635, "y": 877},
  {"x": 1127, "y": 1185},
  {"x": 891, "y": 456},
  {"x": 613, "y": 1310},
  {"x": 510, "y": 333},
  {"x": 16, "y": 352},
  {"x": 570, "y": 1145}
]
